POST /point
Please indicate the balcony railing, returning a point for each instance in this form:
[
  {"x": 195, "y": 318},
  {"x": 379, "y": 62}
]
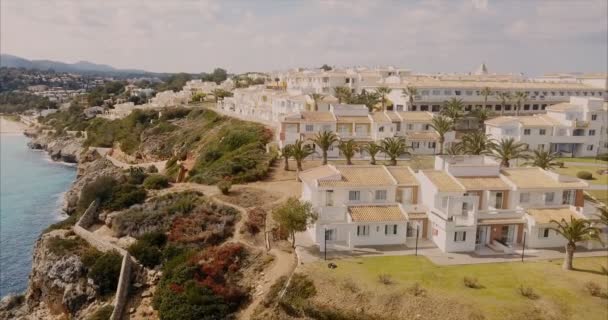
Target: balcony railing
[{"x": 581, "y": 124}]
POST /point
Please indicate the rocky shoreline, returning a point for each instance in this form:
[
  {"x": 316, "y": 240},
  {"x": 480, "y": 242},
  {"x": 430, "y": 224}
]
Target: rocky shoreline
[{"x": 63, "y": 148}]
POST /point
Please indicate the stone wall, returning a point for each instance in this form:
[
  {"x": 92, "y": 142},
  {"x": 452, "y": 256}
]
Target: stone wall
[{"x": 124, "y": 281}]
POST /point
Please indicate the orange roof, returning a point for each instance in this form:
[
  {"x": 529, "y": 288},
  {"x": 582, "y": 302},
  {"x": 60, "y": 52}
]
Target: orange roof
[{"x": 376, "y": 213}]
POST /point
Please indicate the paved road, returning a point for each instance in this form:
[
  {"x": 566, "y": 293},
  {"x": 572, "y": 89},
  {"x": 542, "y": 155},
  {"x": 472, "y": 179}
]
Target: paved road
[{"x": 586, "y": 164}]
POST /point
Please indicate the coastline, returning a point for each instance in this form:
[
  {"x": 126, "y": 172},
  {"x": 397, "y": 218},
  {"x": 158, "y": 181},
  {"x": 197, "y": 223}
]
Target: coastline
[{"x": 8, "y": 126}]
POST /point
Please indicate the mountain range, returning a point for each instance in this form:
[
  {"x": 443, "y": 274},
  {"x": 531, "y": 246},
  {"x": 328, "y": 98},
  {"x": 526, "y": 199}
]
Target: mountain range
[{"x": 7, "y": 60}]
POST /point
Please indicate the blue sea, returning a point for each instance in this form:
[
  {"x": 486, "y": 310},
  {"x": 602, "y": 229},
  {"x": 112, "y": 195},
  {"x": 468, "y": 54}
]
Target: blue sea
[{"x": 31, "y": 195}]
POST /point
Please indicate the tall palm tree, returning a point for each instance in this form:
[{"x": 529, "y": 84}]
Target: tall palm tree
[
  {"x": 576, "y": 230},
  {"x": 453, "y": 109},
  {"x": 508, "y": 149},
  {"x": 343, "y": 94},
  {"x": 410, "y": 92},
  {"x": 372, "y": 149},
  {"x": 485, "y": 92},
  {"x": 442, "y": 125},
  {"x": 394, "y": 147},
  {"x": 286, "y": 154},
  {"x": 299, "y": 152},
  {"x": 504, "y": 97},
  {"x": 482, "y": 114},
  {"x": 476, "y": 143},
  {"x": 348, "y": 149},
  {"x": 316, "y": 97},
  {"x": 603, "y": 215},
  {"x": 325, "y": 139},
  {"x": 383, "y": 92},
  {"x": 520, "y": 97},
  {"x": 543, "y": 159}
]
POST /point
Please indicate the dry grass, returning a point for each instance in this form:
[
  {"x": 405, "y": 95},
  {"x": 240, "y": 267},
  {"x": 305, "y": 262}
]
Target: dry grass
[{"x": 248, "y": 197}]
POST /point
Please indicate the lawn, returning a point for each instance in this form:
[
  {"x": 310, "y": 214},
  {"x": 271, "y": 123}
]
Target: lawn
[
  {"x": 587, "y": 160},
  {"x": 561, "y": 293},
  {"x": 597, "y": 178},
  {"x": 601, "y": 195}
]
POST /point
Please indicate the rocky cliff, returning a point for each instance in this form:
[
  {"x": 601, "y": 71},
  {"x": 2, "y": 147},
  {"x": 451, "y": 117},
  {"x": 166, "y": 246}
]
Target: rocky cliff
[{"x": 65, "y": 148}]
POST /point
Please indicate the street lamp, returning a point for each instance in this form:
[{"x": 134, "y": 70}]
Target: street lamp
[
  {"x": 325, "y": 243},
  {"x": 416, "y": 252},
  {"x": 523, "y": 249}
]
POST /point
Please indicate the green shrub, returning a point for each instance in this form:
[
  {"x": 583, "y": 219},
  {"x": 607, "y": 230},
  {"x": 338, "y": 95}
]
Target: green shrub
[
  {"x": 471, "y": 282},
  {"x": 156, "y": 238},
  {"x": 595, "y": 290},
  {"x": 299, "y": 290},
  {"x": 385, "y": 278},
  {"x": 136, "y": 175},
  {"x": 105, "y": 272},
  {"x": 585, "y": 175},
  {"x": 528, "y": 292},
  {"x": 156, "y": 181},
  {"x": 147, "y": 250},
  {"x": 62, "y": 246},
  {"x": 152, "y": 169},
  {"x": 224, "y": 186},
  {"x": 68, "y": 223},
  {"x": 124, "y": 196},
  {"x": 101, "y": 189},
  {"x": 102, "y": 313}
]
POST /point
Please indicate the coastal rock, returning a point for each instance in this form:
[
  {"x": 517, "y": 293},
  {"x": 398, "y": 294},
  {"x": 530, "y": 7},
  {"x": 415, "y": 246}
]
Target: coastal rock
[{"x": 63, "y": 148}]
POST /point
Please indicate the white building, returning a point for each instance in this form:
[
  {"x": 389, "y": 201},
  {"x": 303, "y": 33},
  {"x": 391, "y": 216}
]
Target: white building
[
  {"x": 574, "y": 128},
  {"x": 466, "y": 203},
  {"x": 120, "y": 110},
  {"x": 169, "y": 98}
]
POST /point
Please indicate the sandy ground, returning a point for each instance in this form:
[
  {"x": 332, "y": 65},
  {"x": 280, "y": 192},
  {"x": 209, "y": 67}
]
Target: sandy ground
[{"x": 10, "y": 126}]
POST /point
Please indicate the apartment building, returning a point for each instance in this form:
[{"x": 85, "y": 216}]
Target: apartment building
[
  {"x": 356, "y": 122},
  {"x": 575, "y": 128},
  {"x": 464, "y": 204}
]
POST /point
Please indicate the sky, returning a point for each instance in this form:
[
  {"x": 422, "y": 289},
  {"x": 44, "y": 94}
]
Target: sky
[{"x": 533, "y": 37}]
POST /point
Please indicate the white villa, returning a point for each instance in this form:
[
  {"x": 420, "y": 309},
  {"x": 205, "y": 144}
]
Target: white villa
[
  {"x": 464, "y": 204},
  {"x": 575, "y": 128}
]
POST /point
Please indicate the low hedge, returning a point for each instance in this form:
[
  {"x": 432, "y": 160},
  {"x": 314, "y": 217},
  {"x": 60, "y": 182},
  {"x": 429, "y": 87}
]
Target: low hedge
[{"x": 585, "y": 175}]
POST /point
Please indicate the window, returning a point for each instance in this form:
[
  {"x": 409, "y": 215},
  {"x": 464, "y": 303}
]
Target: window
[
  {"x": 381, "y": 129},
  {"x": 310, "y": 127},
  {"x": 594, "y": 117},
  {"x": 526, "y": 132},
  {"x": 542, "y": 132},
  {"x": 399, "y": 107},
  {"x": 330, "y": 234},
  {"x": 469, "y": 93},
  {"x": 549, "y": 197},
  {"x": 381, "y": 195},
  {"x": 592, "y": 132},
  {"x": 410, "y": 126},
  {"x": 436, "y": 92},
  {"x": 432, "y": 145},
  {"x": 354, "y": 195},
  {"x": 590, "y": 147},
  {"x": 362, "y": 231},
  {"x": 460, "y": 236},
  {"x": 447, "y": 92},
  {"x": 524, "y": 197},
  {"x": 329, "y": 198},
  {"x": 415, "y": 145},
  {"x": 427, "y": 127},
  {"x": 498, "y": 199},
  {"x": 398, "y": 126},
  {"x": 568, "y": 197},
  {"x": 543, "y": 232},
  {"x": 457, "y": 92},
  {"x": 390, "y": 229},
  {"x": 541, "y": 147},
  {"x": 410, "y": 232}
]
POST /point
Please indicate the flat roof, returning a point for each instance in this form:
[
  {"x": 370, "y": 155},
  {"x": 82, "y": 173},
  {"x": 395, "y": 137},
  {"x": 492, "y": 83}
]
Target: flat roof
[
  {"x": 443, "y": 181},
  {"x": 317, "y": 116},
  {"x": 376, "y": 213},
  {"x": 403, "y": 175},
  {"x": 545, "y": 215},
  {"x": 360, "y": 176},
  {"x": 536, "y": 178},
  {"x": 483, "y": 183}
]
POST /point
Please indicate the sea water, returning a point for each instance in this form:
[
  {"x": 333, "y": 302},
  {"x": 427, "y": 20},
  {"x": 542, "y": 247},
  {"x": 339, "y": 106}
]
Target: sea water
[{"x": 31, "y": 196}]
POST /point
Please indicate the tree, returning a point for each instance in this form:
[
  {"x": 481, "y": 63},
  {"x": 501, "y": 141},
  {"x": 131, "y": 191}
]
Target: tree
[
  {"x": 520, "y": 97},
  {"x": 372, "y": 149},
  {"x": 476, "y": 143},
  {"x": 220, "y": 94},
  {"x": 325, "y": 67},
  {"x": 454, "y": 149},
  {"x": 410, "y": 92},
  {"x": 603, "y": 215},
  {"x": 453, "y": 109},
  {"x": 316, "y": 97},
  {"x": 383, "y": 92},
  {"x": 508, "y": 149},
  {"x": 543, "y": 159},
  {"x": 219, "y": 75},
  {"x": 294, "y": 215},
  {"x": 286, "y": 154},
  {"x": 575, "y": 231},
  {"x": 299, "y": 152},
  {"x": 348, "y": 148},
  {"x": 442, "y": 125},
  {"x": 482, "y": 114},
  {"x": 504, "y": 97},
  {"x": 369, "y": 99},
  {"x": 343, "y": 94},
  {"x": 394, "y": 147},
  {"x": 485, "y": 92},
  {"x": 325, "y": 140}
]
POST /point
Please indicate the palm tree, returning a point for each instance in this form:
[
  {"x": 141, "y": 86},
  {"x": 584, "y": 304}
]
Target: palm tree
[
  {"x": 442, "y": 125},
  {"x": 348, "y": 149},
  {"x": 455, "y": 149},
  {"x": 476, "y": 143},
  {"x": 485, "y": 92},
  {"x": 543, "y": 159},
  {"x": 520, "y": 97},
  {"x": 325, "y": 140},
  {"x": 372, "y": 149},
  {"x": 343, "y": 94},
  {"x": 286, "y": 154},
  {"x": 453, "y": 109},
  {"x": 508, "y": 149},
  {"x": 383, "y": 92},
  {"x": 316, "y": 97},
  {"x": 603, "y": 215},
  {"x": 575, "y": 231},
  {"x": 482, "y": 114},
  {"x": 410, "y": 92},
  {"x": 299, "y": 152},
  {"x": 504, "y": 98},
  {"x": 394, "y": 147}
]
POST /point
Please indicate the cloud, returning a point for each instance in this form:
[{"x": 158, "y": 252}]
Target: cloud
[{"x": 195, "y": 36}]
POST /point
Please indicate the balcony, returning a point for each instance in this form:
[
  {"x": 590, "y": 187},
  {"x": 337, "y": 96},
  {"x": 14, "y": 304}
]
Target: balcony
[
  {"x": 493, "y": 213},
  {"x": 581, "y": 124},
  {"x": 331, "y": 214}
]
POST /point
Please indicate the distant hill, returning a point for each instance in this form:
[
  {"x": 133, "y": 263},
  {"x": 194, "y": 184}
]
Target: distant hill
[{"x": 7, "y": 60}]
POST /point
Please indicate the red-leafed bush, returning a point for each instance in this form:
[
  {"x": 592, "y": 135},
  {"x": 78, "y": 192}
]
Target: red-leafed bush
[{"x": 256, "y": 220}]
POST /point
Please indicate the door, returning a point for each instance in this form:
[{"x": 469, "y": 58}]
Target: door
[
  {"x": 480, "y": 237},
  {"x": 507, "y": 234},
  {"x": 407, "y": 196}
]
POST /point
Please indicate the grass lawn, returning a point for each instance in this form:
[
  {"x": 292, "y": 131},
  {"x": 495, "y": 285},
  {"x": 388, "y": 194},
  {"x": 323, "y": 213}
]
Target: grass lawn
[
  {"x": 601, "y": 195},
  {"x": 588, "y": 160},
  {"x": 597, "y": 179},
  {"x": 561, "y": 292}
]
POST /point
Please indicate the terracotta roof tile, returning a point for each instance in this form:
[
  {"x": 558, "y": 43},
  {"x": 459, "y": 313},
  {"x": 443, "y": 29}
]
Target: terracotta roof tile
[
  {"x": 545, "y": 215},
  {"x": 443, "y": 181},
  {"x": 376, "y": 213}
]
